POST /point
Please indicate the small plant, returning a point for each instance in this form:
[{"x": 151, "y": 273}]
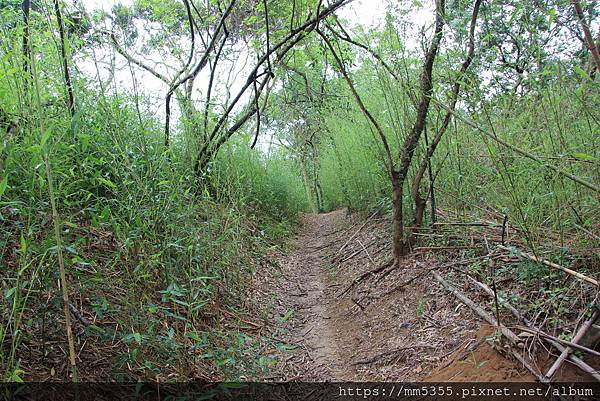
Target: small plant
[{"x": 421, "y": 307}]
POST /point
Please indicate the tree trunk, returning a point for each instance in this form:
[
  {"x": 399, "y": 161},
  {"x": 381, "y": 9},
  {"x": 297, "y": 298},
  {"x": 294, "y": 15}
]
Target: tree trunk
[
  {"x": 307, "y": 186},
  {"x": 317, "y": 185},
  {"x": 26, "y": 7},
  {"x": 397, "y": 221},
  {"x": 420, "y": 202},
  {"x": 412, "y": 139},
  {"x": 586, "y": 33},
  {"x": 63, "y": 53}
]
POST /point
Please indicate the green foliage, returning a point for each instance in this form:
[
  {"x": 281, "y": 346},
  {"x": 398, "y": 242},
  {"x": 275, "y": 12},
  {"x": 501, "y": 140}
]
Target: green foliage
[
  {"x": 150, "y": 246},
  {"x": 156, "y": 252}
]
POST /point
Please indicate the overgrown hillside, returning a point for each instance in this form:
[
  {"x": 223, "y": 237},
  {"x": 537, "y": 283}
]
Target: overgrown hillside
[{"x": 156, "y": 158}]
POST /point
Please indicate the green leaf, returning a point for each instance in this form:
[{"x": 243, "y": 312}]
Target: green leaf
[
  {"x": 45, "y": 137},
  {"x": 10, "y": 292},
  {"x": 107, "y": 182},
  {"x": 552, "y": 17},
  {"x": 138, "y": 338},
  {"x": 3, "y": 185},
  {"x": 585, "y": 156},
  {"x": 584, "y": 75},
  {"x": 23, "y": 245}
]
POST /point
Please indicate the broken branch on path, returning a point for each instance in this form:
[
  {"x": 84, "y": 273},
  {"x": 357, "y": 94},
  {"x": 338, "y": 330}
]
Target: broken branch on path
[
  {"x": 365, "y": 249},
  {"x": 366, "y": 274}
]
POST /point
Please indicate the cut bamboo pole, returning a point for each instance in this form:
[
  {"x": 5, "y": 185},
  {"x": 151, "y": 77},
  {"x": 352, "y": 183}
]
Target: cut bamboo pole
[
  {"x": 507, "y": 332},
  {"x": 565, "y": 342},
  {"x": 477, "y": 309},
  {"x": 512, "y": 337},
  {"x": 501, "y": 301},
  {"x": 551, "y": 264},
  {"x": 567, "y": 351},
  {"x": 576, "y": 360}
]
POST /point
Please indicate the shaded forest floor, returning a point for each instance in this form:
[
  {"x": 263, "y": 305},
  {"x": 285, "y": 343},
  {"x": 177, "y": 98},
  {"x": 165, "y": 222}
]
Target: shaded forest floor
[{"x": 345, "y": 313}]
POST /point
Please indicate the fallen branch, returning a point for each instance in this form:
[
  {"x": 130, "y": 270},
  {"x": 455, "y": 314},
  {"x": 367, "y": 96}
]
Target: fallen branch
[
  {"x": 366, "y": 274},
  {"x": 440, "y": 248},
  {"x": 501, "y": 300},
  {"x": 551, "y": 264},
  {"x": 576, "y": 360},
  {"x": 365, "y": 249},
  {"x": 537, "y": 374},
  {"x": 567, "y": 351},
  {"x": 353, "y": 254},
  {"x": 473, "y": 224},
  {"x": 472, "y": 347},
  {"x": 588, "y": 232},
  {"x": 486, "y": 316},
  {"x": 78, "y": 315},
  {"x": 428, "y": 270},
  {"x": 357, "y": 231},
  {"x": 565, "y": 342}
]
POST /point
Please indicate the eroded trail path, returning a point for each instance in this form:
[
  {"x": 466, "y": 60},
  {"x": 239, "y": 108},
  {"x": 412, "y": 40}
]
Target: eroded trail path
[
  {"x": 353, "y": 316},
  {"x": 306, "y": 294}
]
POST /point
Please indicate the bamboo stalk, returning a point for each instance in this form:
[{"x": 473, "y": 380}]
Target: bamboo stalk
[
  {"x": 551, "y": 264},
  {"x": 56, "y": 223},
  {"x": 477, "y": 309},
  {"x": 565, "y": 342},
  {"x": 576, "y": 360},
  {"x": 567, "y": 351}
]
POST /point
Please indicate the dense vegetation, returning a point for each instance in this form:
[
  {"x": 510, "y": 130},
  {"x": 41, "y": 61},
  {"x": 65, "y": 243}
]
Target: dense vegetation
[{"x": 154, "y": 213}]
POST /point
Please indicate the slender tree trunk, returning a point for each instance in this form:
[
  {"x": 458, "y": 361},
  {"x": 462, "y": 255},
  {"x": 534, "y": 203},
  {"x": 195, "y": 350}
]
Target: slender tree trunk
[
  {"x": 586, "y": 33},
  {"x": 412, "y": 139},
  {"x": 419, "y": 201},
  {"x": 65, "y": 63},
  {"x": 26, "y": 7},
  {"x": 397, "y": 220},
  {"x": 317, "y": 184},
  {"x": 307, "y": 186},
  {"x": 398, "y": 176}
]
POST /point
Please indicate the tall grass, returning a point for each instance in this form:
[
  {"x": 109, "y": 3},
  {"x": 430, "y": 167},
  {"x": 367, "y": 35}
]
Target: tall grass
[{"x": 152, "y": 253}]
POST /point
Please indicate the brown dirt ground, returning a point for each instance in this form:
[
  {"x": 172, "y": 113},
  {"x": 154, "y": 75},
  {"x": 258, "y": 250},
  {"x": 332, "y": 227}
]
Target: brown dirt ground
[{"x": 344, "y": 328}]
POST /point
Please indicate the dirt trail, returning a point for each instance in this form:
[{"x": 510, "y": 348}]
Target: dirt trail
[
  {"x": 344, "y": 317},
  {"x": 305, "y": 284}
]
